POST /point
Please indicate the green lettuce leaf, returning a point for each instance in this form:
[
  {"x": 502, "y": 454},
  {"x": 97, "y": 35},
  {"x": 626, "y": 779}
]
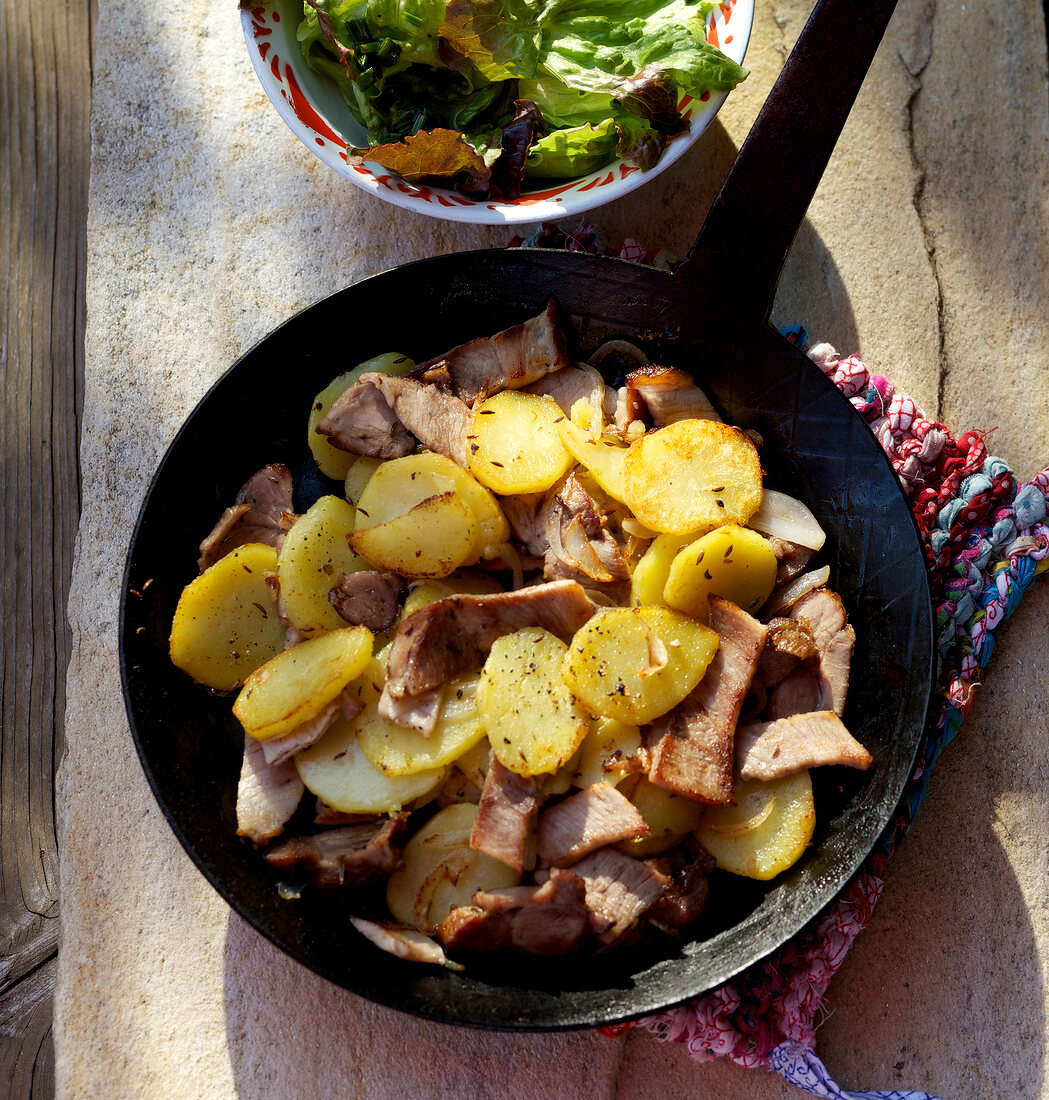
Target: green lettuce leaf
[{"x": 565, "y": 154}]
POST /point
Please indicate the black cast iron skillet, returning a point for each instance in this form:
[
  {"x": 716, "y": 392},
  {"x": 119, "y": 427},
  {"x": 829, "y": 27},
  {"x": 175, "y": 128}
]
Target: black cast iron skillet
[{"x": 711, "y": 317}]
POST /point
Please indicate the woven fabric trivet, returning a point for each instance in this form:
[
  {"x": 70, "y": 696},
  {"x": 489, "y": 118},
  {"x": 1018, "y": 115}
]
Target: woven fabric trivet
[{"x": 985, "y": 540}]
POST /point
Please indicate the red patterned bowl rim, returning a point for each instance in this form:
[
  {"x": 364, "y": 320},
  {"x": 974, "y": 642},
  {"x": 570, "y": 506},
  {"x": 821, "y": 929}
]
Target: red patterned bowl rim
[{"x": 313, "y": 110}]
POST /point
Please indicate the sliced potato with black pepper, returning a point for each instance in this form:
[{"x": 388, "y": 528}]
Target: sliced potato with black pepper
[
  {"x": 534, "y": 724},
  {"x": 515, "y": 446},
  {"x": 636, "y": 663},
  {"x": 336, "y": 770},
  {"x": 358, "y": 475},
  {"x": 670, "y": 818},
  {"x": 766, "y": 831},
  {"x": 432, "y": 539},
  {"x": 732, "y": 562},
  {"x": 226, "y": 623},
  {"x": 441, "y": 870},
  {"x": 649, "y": 577},
  {"x": 603, "y": 457},
  {"x": 606, "y": 753},
  {"x": 401, "y": 751},
  {"x": 296, "y": 685},
  {"x": 314, "y": 554},
  {"x": 692, "y": 474}
]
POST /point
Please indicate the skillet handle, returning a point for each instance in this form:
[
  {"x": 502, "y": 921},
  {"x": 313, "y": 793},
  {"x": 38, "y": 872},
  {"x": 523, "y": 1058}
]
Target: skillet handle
[{"x": 752, "y": 224}]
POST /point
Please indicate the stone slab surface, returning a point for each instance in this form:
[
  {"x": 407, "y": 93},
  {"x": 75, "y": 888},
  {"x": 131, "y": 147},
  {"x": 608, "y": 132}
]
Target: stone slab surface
[{"x": 925, "y": 250}]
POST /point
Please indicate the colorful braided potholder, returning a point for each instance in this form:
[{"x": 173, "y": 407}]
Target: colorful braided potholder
[{"x": 986, "y": 538}]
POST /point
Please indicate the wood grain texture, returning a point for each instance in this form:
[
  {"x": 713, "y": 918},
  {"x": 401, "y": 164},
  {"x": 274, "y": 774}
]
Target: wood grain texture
[{"x": 45, "y": 90}]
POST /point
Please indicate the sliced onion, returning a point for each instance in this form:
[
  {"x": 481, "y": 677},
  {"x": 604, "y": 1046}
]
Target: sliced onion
[
  {"x": 630, "y": 355},
  {"x": 789, "y": 594},
  {"x": 735, "y": 828},
  {"x": 785, "y": 517},
  {"x": 405, "y": 943}
]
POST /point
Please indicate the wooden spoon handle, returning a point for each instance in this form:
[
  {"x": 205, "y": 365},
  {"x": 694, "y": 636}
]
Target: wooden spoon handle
[{"x": 750, "y": 228}]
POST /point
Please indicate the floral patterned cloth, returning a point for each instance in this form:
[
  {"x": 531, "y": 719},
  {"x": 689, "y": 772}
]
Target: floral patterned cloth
[{"x": 986, "y": 539}]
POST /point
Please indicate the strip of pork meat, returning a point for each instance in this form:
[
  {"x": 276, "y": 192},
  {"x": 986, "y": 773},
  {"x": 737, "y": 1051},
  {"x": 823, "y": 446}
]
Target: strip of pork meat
[
  {"x": 262, "y": 512},
  {"x": 824, "y": 614},
  {"x": 791, "y": 559},
  {"x": 590, "y": 819},
  {"x": 278, "y": 749},
  {"x": 551, "y": 919},
  {"x": 619, "y": 889},
  {"x": 667, "y": 395},
  {"x": 368, "y": 598},
  {"x": 510, "y": 359},
  {"x": 768, "y": 750},
  {"x": 692, "y": 753},
  {"x": 354, "y": 855},
  {"x": 267, "y": 794},
  {"x": 404, "y": 943},
  {"x": 382, "y": 417},
  {"x": 438, "y": 642},
  {"x": 505, "y": 823}
]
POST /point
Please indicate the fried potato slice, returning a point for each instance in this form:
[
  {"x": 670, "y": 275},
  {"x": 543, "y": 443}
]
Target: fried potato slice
[
  {"x": 692, "y": 475},
  {"x": 533, "y": 722},
  {"x": 606, "y": 752},
  {"x": 432, "y": 539},
  {"x": 670, "y": 817},
  {"x": 296, "y": 685},
  {"x": 401, "y": 751},
  {"x": 766, "y": 831},
  {"x": 358, "y": 475},
  {"x": 649, "y": 577},
  {"x": 336, "y": 770},
  {"x": 732, "y": 562},
  {"x": 315, "y": 552},
  {"x": 226, "y": 623},
  {"x": 603, "y": 457},
  {"x": 515, "y": 446},
  {"x": 636, "y": 663}
]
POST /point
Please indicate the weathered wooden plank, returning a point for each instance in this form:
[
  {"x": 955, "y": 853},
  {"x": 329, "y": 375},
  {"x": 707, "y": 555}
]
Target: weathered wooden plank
[{"x": 45, "y": 85}]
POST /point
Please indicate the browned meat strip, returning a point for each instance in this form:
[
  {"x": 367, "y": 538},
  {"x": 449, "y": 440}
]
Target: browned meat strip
[
  {"x": 438, "y": 642},
  {"x": 797, "y": 693},
  {"x": 262, "y": 513},
  {"x": 618, "y": 889},
  {"x": 405, "y": 943},
  {"x": 569, "y": 385},
  {"x": 551, "y": 919},
  {"x": 668, "y": 395},
  {"x": 767, "y": 750},
  {"x": 354, "y": 855},
  {"x": 278, "y": 749},
  {"x": 685, "y": 897},
  {"x": 508, "y": 360},
  {"x": 267, "y": 794},
  {"x": 362, "y": 421},
  {"x": 415, "y": 712},
  {"x": 693, "y": 755},
  {"x": 368, "y": 598},
  {"x": 792, "y": 559},
  {"x": 579, "y": 547},
  {"x": 824, "y": 614},
  {"x": 789, "y": 642},
  {"x": 505, "y": 816},
  {"x": 526, "y": 514},
  {"x": 594, "y": 817}
]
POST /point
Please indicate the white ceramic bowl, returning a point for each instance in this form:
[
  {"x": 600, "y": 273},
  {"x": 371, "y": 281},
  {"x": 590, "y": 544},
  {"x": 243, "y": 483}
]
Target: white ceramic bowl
[{"x": 315, "y": 111}]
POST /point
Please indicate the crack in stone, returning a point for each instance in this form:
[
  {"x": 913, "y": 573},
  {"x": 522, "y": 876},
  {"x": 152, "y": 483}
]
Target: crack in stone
[{"x": 916, "y": 72}]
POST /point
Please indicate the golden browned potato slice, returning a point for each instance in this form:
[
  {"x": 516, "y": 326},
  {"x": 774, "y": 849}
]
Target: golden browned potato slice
[
  {"x": 603, "y": 457},
  {"x": 226, "y": 623},
  {"x": 533, "y": 722},
  {"x": 358, "y": 475},
  {"x": 692, "y": 475},
  {"x": 515, "y": 446},
  {"x": 433, "y": 539},
  {"x": 636, "y": 663},
  {"x": 296, "y": 685},
  {"x": 650, "y": 574},
  {"x": 766, "y": 831},
  {"x": 441, "y": 870},
  {"x": 336, "y": 770},
  {"x": 606, "y": 752},
  {"x": 401, "y": 751},
  {"x": 732, "y": 562},
  {"x": 331, "y": 460},
  {"x": 314, "y": 554}
]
